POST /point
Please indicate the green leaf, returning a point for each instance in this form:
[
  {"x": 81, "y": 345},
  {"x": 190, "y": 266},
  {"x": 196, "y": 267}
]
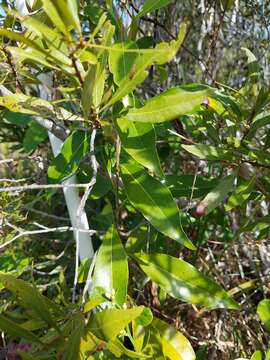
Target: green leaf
[
  {"x": 29, "y": 298},
  {"x": 17, "y": 331},
  {"x": 93, "y": 89},
  {"x": 111, "y": 269},
  {"x": 52, "y": 11},
  {"x": 258, "y": 225},
  {"x": 154, "y": 200},
  {"x": 139, "y": 141},
  {"x": 67, "y": 162},
  {"x": 216, "y": 196},
  {"x": 34, "y": 135},
  {"x": 256, "y": 356},
  {"x": 175, "y": 345},
  {"x": 253, "y": 65},
  {"x": 72, "y": 350},
  {"x": 187, "y": 185},
  {"x": 31, "y": 54},
  {"x": 207, "y": 152},
  {"x": 263, "y": 311},
  {"x": 170, "y": 105},
  {"x": 150, "y": 5},
  {"x": 128, "y": 64},
  {"x": 183, "y": 281},
  {"x": 107, "y": 324}
]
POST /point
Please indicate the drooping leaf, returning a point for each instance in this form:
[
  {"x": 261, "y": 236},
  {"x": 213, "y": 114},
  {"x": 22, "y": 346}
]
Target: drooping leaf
[
  {"x": 170, "y": 105},
  {"x": 183, "y": 281},
  {"x": 175, "y": 345},
  {"x": 138, "y": 139},
  {"x": 107, "y": 324},
  {"x": 215, "y": 197},
  {"x": 154, "y": 200},
  {"x": 111, "y": 269},
  {"x": 150, "y": 5},
  {"x": 67, "y": 162}
]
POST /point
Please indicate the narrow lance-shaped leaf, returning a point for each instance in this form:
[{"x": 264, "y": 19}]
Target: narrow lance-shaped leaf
[
  {"x": 170, "y": 105},
  {"x": 139, "y": 141},
  {"x": 154, "y": 200},
  {"x": 111, "y": 269},
  {"x": 107, "y": 324},
  {"x": 216, "y": 196},
  {"x": 175, "y": 345},
  {"x": 183, "y": 281}
]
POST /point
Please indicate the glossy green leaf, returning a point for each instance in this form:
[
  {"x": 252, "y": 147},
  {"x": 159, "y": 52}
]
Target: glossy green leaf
[
  {"x": 67, "y": 162},
  {"x": 170, "y": 105},
  {"x": 175, "y": 345},
  {"x": 139, "y": 141},
  {"x": 208, "y": 152},
  {"x": 263, "y": 311},
  {"x": 216, "y": 196},
  {"x": 17, "y": 331},
  {"x": 187, "y": 185},
  {"x": 150, "y": 5},
  {"x": 111, "y": 269},
  {"x": 154, "y": 200},
  {"x": 107, "y": 324},
  {"x": 183, "y": 281}
]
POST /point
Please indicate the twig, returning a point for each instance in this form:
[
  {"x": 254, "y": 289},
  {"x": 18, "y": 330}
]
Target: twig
[
  {"x": 38, "y": 186},
  {"x": 43, "y": 231}
]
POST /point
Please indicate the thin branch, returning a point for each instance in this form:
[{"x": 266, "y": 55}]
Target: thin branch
[
  {"x": 42, "y": 187},
  {"x": 43, "y": 231}
]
